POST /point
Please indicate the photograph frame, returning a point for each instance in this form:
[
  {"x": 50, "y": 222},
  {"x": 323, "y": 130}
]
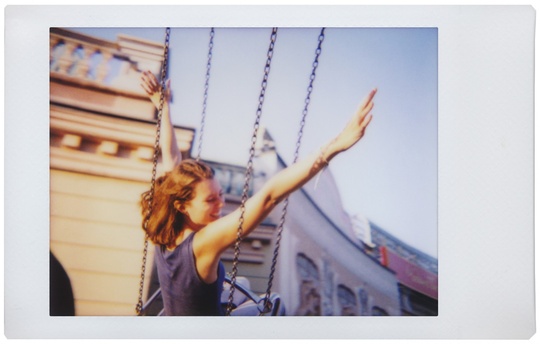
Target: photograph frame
[{"x": 465, "y": 273}]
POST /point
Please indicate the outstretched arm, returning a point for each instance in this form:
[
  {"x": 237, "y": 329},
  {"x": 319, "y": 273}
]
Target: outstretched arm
[
  {"x": 218, "y": 235},
  {"x": 170, "y": 152}
]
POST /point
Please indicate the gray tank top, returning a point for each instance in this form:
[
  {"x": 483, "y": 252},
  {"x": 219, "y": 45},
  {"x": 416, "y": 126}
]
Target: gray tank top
[{"x": 183, "y": 292}]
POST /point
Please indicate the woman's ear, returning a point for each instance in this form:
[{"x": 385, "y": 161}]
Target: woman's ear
[{"x": 179, "y": 206}]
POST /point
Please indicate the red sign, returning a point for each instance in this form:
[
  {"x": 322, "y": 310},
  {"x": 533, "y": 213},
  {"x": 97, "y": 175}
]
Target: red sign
[{"x": 412, "y": 275}]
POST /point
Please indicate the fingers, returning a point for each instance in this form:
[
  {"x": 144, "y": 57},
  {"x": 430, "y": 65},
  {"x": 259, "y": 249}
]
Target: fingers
[
  {"x": 369, "y": 106},
  {"x": 147, "y": 89},
  {"x": 149, "y": 82},
  {"x": 150, "y": 78},
  {"x": 365, "y": 108},
  {"x": 368, "y": 100},
  {"x": 370, "y": 96},
  {"x": 365, "y": 122},
  {"x": 364, "y": 116}
]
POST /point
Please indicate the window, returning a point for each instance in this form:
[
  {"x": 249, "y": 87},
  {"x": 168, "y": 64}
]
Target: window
[
  {"x": 347, "y": 300},
  {"x": 306, "y": 267},
  {"x": 310, "y": 297},
  {"x": 363, "y": 297}
]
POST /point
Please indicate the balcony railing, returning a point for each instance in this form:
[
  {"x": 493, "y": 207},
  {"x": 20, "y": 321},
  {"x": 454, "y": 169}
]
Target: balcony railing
[{"x": 102, "y": 62}]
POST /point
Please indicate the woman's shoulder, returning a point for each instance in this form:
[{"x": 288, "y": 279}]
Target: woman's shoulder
[{"x": 184, "y": 248}]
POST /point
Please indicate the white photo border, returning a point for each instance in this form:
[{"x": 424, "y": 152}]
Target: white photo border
[{"x": 485, "y": 172}]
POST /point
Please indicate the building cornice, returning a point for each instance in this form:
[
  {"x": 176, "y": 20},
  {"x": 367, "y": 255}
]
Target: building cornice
[{"x": 96, "y": 144}]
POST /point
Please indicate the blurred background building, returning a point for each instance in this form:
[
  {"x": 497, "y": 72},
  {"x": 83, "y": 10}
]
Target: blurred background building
[{"x": 102, "y": 129}]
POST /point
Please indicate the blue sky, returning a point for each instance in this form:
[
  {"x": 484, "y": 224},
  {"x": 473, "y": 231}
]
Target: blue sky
[{"x": 390, "y": 176}]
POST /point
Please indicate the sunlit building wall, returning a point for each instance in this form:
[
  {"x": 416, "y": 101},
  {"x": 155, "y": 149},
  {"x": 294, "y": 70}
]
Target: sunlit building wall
[{"x": 101, "y": 148}]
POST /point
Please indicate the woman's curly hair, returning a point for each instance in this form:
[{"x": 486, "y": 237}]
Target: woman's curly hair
[{"x": 163, "y": 223}]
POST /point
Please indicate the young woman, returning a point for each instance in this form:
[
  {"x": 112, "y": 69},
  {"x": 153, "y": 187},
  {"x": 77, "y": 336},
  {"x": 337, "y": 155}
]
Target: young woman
[{"x": 186, "y": 223}]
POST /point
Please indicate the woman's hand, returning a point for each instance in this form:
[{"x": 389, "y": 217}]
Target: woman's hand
[
  {"x": 355, "y": 129},
  {"x": 217, "y": 236},
  {"x": 152, "y": 87},
  {"x": 170, "y": 153}
]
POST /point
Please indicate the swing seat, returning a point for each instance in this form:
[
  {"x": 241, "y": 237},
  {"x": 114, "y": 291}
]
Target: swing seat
[
  {"x": 245, "y": 302},
  {"x": 253, "y": 307},
  {"x": 238, "y": 298}
]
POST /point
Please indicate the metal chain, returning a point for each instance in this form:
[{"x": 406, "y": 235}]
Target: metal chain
[
  {"x": 150, "y": 197},
  {"x": 206, "y": 84},
  {"x": 249, "y": 170},
  {"x": 267, "y": 305}
]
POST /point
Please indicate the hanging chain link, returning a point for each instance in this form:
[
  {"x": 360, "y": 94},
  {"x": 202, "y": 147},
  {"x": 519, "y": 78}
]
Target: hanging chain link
[
  {"x": 267, "y": 305},
  {"x": 249, "y": 171},
  {"x": 206, "y": 84},
  {"x": 150, "y": 198}
]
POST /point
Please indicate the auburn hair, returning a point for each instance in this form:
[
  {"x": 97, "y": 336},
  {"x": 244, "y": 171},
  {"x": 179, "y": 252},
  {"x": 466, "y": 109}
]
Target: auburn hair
[{"x": 164, "y": 223}]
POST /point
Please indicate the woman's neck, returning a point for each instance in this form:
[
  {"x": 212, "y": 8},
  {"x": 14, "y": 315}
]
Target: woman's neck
[{"x": 184, "y": 234}]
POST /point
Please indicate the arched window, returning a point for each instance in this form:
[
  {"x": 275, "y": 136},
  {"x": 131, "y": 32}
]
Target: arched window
[
  {"x": 306, "y": 267},
  {"x": 347, "y": 300},
  {"x": 363, "y": 297},
  {"x": 310, "y": 297}
]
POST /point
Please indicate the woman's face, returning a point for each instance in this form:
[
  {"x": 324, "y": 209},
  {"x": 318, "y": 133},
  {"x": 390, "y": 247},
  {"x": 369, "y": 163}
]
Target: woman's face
[{"x": 206, "y": 206}]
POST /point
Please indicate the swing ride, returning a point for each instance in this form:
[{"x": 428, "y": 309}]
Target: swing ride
[{"x": 270, "y": 303}]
